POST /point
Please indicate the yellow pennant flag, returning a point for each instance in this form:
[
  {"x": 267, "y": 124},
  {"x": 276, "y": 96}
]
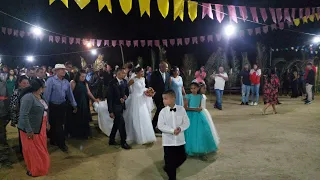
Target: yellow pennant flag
[
  {"x": 144, "y": 7},
  {"x": 102, "y": 3},
  {"x": 163, "y": 6},
  {"x": 82, "y": 3},
  {"x": 311, "y": 17},
  {"x": 51, "y": 1},
  {"x": 65, "y": 2},
  {"x": 305, "y": 19},
  {"x": 178, "y": 9},
  {"x": 126, "y": 6},
  {"x": 296, "y": 21},
  {"x": 192, "y": 10}
]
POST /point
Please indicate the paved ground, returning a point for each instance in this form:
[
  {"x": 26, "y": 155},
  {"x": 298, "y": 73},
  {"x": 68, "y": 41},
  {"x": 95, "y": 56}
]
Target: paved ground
[{"x": 253, "y": 147}]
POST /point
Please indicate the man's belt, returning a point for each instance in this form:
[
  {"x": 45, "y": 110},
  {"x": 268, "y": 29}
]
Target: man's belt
[{"x": 2, "y": 98}]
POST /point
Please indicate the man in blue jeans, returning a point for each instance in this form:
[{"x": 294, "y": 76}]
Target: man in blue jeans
[
  {"x": 245, "y": 84},
  {"x": 220, "y": 79}
]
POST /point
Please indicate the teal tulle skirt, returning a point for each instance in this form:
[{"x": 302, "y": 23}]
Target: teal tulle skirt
[{"x": 199, "y": 139}]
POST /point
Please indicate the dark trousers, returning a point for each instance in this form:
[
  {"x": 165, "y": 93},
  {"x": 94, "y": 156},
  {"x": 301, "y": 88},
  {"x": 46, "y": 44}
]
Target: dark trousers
[
  {"x": 3, "y": 131},
  {"x": 159, "y": 104},
  {"x": 118, "y": 124},
  {"x": 174, "y": 157},
  {"x": 57, "y": 117}
]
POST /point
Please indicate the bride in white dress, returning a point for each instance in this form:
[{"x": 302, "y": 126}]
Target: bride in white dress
[{"x": 138, "y": 112}]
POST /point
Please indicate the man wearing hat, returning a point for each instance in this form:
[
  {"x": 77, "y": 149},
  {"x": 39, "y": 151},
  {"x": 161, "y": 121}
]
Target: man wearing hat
[{"x": 57, "y": 92}]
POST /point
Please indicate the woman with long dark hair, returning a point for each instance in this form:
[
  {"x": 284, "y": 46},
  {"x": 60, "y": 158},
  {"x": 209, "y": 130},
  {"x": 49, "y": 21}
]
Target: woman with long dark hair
[
  {"x": 78, "y": 126},
  {"x": 176, "y": 84},
  {"x": 270, "y": 91},
  {"x": 33, "y": 123},
  {"x": 11, "y": 81}
]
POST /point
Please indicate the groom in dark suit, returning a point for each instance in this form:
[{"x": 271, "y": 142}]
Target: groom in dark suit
[
  {"x": 160, "y": 82},
  {"x": 117, "y": 94}
]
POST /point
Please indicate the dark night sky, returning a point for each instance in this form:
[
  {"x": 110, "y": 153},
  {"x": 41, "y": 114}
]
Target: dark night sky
[{"x": 92, "y": 24}]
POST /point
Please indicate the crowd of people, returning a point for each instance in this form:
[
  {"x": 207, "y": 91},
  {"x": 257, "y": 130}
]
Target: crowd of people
[{"x": 54, "y": 103}]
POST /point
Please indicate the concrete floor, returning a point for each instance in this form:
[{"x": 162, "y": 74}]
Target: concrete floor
[{"x": 253, "y": 147}]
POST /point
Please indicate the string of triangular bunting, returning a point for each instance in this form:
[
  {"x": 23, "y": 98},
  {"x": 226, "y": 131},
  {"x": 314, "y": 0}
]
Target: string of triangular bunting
[
  {"x": 312, "y": 49},
  {"x": 277, "y": 14},
  {"x": 142, "y": 43}
]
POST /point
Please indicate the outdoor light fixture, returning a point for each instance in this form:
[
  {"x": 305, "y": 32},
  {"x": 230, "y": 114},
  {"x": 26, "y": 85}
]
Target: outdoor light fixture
[
  {"x": 94, "y": 52},
  {"x": 89, "y": 45},
  {"x": 36, "y": 31},
  {"x": 316, "y": 39},
  {"x": 229, "y": 30},
  {"x": 30, "y": 58}
]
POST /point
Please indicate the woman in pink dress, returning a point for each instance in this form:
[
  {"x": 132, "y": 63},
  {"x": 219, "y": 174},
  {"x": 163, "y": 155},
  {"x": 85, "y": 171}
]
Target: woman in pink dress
[{"x": 33, "y": 124}]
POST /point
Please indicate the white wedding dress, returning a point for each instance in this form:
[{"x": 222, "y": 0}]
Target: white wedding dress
[
  {"x": 209, "y": 118},
  {"x": 137, "y": 115},
  {"x": 104, "y": 120}
]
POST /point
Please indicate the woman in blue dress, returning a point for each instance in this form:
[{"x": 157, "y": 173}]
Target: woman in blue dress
[
  {"x": 176, "y": 84},
  {"x": 199, "y": 138}
]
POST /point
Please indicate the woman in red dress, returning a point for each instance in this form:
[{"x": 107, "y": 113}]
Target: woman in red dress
[
  {"x": 270, "y": 91},
  {"x": 32, "y": 124}
]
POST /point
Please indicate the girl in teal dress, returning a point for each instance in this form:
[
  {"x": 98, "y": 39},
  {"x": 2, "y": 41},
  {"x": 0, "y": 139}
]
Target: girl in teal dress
[{"x": 199, "y": 138}]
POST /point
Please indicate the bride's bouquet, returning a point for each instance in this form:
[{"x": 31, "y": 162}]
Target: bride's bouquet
[{"x": 149, "y": 92}]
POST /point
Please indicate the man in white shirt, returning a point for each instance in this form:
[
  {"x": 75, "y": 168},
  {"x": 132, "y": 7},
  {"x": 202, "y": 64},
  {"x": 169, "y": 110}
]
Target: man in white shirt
[
  {"x": 220, "y": 81},
  {"x": 173, "y": 121}
]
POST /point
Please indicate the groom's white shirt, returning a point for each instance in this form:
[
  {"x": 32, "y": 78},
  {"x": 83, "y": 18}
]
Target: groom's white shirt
[
  {"x": 163, "y": 74},
  {"x": 168, "y": 121}
]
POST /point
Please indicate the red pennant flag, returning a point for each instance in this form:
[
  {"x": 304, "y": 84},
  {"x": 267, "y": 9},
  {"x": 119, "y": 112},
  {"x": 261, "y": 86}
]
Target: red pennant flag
[
  {"x": 250, "y": 31},
  {"x": 121, "y": 42},
  {"x": 232, "y": 13},
  {"x": 258, "y": 30},
  {"x": 149, "y": 43},
  {"x": 241, "y": 33},
  {"x": 273, "y": 27},
  {"x": 22, "y": 33},
  {"x": 143, "y": 43},
  {"x": 209, "y": 38},
  {"x": 243, "y": 12},
  {"x": 179, "y": 42},
  {"x": 186, "y": 41},
  {"x": 157, "y": 43},
  {"x": 114, "y": 43},
  {"x": 194, "y": 40},
  {"x": 84, "y": 41},
  {"x": 293, "y": 13},
  {"x": 135, "y": 43},
  {"x": 265, "y": 29},
  {"x": 128, "y": 43},
  {"x": 307, "y": 11},
  {"x": 51, "y": 39},
  {"x": 300, "y": 13},
  {"x": 9, "y": 31},
  {"x": 273, "y": 15},
  {"x": 92, "y": 41},
  {"x": 99, "y": 41},
  {"x": 16, "y": 33},
  {"x": 218, "y": 36},
  {"x": 253, "y": 11},
  {"x": 3, "y": 30},
  {"x": 263, "y": 13},
  {"x": 172, "y": 42},
  {"x": 202, "y": 38},
  {"x": 165, "y": 42},
  {"x": 57, "y": 39},
  {"x": 318, "y": 12},
  {"x": 106, "y": 43},
  {"x": 71, "y": 40},
  {"x": 207, "y": 10},
  {"x": 287, "y": 14},
  {"x": 281, "y": 25},
  {"x": 219, "y": 12},
  {"x": 279, "y": 14},
  {"x": 64, "y": 40}
]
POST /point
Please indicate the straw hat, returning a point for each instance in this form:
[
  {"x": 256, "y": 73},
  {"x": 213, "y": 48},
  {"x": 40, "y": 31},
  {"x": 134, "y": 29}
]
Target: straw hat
[{"x": 58, "y": 66}]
